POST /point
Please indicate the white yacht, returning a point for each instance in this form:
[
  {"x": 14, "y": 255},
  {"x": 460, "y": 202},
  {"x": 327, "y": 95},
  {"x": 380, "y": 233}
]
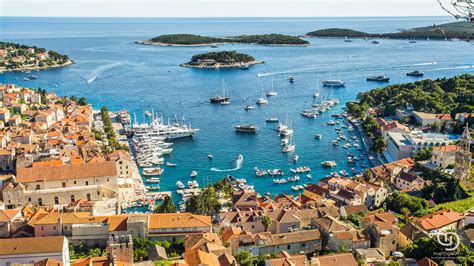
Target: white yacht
[
  {"x": 334, "y": 83},
  {"x": 272, "y": 92},
  {"x": 262, "y": 101}
]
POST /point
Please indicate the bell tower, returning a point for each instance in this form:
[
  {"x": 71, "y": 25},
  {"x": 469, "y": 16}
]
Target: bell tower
[{"x": 462, "y": 163}]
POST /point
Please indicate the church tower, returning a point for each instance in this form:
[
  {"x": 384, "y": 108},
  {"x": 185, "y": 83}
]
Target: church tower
[{"x": 462, "y": 163}]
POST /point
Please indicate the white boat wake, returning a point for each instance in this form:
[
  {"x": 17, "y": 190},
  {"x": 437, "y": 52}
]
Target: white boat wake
[
  {"x": 238, "y": 164},
  {"x": 101, "y": 70}
]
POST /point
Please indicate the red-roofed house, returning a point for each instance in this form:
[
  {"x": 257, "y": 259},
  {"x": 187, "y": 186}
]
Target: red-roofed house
[{"x": 443, "y": 156}]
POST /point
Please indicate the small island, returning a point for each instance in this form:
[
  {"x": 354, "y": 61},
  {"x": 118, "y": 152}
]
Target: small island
[
  {"x": 18, "y": 57},
  {"x": 222, "y": 59},
  {"x": 197, "y": 40},
  {"x": 455, "y": 30}
]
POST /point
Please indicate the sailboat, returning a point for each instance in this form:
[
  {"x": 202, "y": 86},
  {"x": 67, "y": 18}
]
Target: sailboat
[
  {"x": 262, "y": 100},
  {"x": 272, "y": 92},
  {"x": 221, "y": 99},
  {"x": 249, "y": 106},
  {"x": 316, "y": 94}
]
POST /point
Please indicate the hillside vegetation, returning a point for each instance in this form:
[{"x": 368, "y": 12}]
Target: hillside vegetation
[
  {"x": 460, "y": 30},
  {"x": 446, "y": 95}
]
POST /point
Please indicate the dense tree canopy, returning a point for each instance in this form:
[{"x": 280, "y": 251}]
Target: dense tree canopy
[
  {"x": 262, "y": 39},
  {"x": 167, "y": 206},
  {"x": 223, "y": 57},
  {"x": 446, "y": 95}
]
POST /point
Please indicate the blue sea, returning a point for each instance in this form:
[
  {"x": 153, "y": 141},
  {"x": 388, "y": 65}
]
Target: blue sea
[{"x": 125, "y": 75}]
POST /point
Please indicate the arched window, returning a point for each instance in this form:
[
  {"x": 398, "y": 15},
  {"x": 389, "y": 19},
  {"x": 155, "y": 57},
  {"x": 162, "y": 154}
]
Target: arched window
[
  {"x": 56, "y": 200},
  {"x": 73, "y": 198},
  {"x": 89, "y": 196},
  {"x": 40, "y": 202}
]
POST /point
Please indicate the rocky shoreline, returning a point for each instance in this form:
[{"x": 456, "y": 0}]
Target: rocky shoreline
[
  {"x": 148, "y": 42},
  {"x": 33, "y": 68}
]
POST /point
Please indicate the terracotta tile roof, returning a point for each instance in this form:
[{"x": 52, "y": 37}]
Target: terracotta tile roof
[
  {"x": 199, "y": 257},
  {"x": 178, "y": 220},
  {"x": 293, "y": 237},
  {"x": 384, "y": 217},
  {"x": 341, "y": 259},
  {"x": 62, "y": 172},
  {"x": 331, "y": 224},
  {"x": 426, "y": 262},
  {"x": 48, "y": 262},
  {"x": 439, "y": 219},
  {"x": 193, "y": 241},
  {"x": 94, "y": 261},
  {"x": 409, "y": 177},
  {"x": 17, "y": 246},
  {"x": 230, "y": 231},
  {"x": 286, "y": 259},
  {"x": 448, "y": 148},
  {"x": 355, "y": 209},
  {"x": 8, "y": 215}
]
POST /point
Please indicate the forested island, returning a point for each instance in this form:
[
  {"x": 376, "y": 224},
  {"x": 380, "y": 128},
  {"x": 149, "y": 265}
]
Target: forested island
[
  {"x": 222, "y": 59},
  {"x": 459, "y": 30},
  {"x": 18, "y": 57},
  {"x": 446, "y": 95},
  {"x": 197, "y": 40}
]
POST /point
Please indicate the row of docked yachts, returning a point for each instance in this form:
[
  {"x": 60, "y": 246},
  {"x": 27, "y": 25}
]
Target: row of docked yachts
[
  {"x": 150, "y": 141},
  {"x": 319, "y": 108}
]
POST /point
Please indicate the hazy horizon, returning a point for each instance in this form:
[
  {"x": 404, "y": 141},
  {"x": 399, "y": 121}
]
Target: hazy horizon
[{"x": 222, "y": 8}]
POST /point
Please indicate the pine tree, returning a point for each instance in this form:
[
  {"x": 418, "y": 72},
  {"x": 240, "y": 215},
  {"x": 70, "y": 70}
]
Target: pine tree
[{"x": 167, "y": 206}]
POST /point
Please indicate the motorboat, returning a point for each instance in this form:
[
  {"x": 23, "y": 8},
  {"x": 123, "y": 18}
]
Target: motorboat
[
  {"x": 170, "y": 164},
  {"x": 152, "y": 171},
  {"x": 289, "y": 148},
  {"x": 210, "y": 156},
  {"x": 180, "y": 185},
  {"x": 194, "y": 174},
  {"x": 329, "y": 164},
  {"x": 318, "y": 136},
  {"x": 415, "y": 73},
  {"x": 381, "y": 78},
  {"x": 249, "y": 107},
  {"x": 335, "y": 143},
  {"x": 333, "y": 83},
  {"x": 153, "y": 180},
  {"x": 272, "y": 119},
  {"x": 291, "y": 79},
  {"x": 331, "y": 123},
  {"x": 309, "y": 113},
  {"x": 250, "y": 128},
  {"x": 261, "y": 101},
  {"x": 296, "y": 158},
  {"x": 375, "y": 42}
]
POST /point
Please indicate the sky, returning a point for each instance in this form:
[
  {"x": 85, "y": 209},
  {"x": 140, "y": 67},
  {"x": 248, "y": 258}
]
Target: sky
[{"x": 219, "y": 8}]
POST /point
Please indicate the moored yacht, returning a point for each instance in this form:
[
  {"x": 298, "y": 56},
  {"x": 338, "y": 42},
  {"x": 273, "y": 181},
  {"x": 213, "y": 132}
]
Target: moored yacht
[
  {"x": 381, "y": 78},
  {"x": 272, "y": 119},
  {"x": 334, "y": 83},
  {"x": 415, "y": 73},
  {"x": 221, "y": 99},
  {"x": 249, "y": 128}
]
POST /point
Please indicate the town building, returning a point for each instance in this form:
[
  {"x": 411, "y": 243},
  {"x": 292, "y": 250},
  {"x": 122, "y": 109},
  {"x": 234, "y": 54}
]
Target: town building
[
  {"x": 427, "y": 119},
  {"x": 444, "y": 156},
  {"x": 463, "y": 158},
  {"x": 406, "y": 181},
  {"x": 383, "y": 231},
  {"x": 31, "y": 250}
]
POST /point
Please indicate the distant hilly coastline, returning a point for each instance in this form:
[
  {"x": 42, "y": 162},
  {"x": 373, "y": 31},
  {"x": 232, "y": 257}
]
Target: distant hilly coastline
[
  {"x": 455, "y": 30},
  {"x": 198, "y": 40}
]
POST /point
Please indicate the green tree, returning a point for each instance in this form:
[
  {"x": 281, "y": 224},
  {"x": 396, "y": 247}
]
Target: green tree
[
  {"x": 167, "y": 206},
  {"x": 266, "y": 221},
  {"x": 244, "y": 258},
  {"x": 207, "y": 203},
  {"x": 82, "y": 101},
  {"x": 423, "y": 154}
]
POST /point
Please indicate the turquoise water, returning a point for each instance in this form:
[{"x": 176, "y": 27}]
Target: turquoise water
[{"x": 122, "y": 74}]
